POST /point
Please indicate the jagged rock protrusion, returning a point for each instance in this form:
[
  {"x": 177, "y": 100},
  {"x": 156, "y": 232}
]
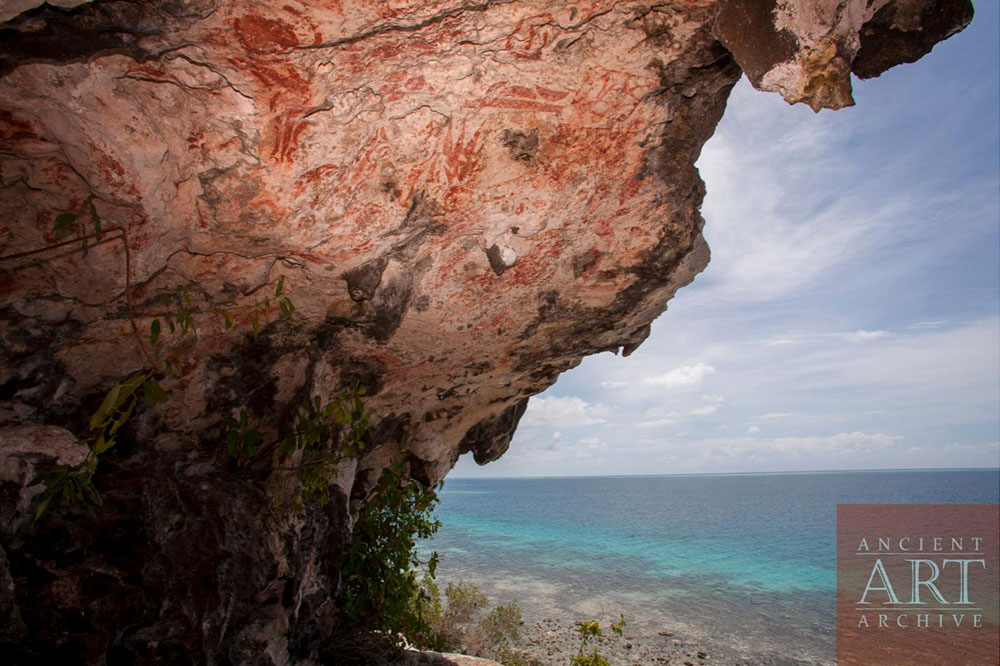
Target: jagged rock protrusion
[{"x": 806, "y": 50}]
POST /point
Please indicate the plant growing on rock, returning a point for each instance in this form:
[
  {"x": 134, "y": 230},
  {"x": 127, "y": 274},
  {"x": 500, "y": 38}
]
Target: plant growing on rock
[
  {"x": 589, "y": 631},
  {"x": 74, "y": 484},
  {"x": 321, "y": 436},
  {"x": 498, "y": 633},
  {"x": 460, "y": 626},
  {"x": 380, "y": 564}
]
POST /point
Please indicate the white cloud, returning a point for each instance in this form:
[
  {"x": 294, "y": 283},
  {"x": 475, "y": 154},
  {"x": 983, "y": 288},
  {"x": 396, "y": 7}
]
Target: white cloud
[
  {"x": 845, "y": 449},
  {"x": 773, "y": 416},
  {"x": 860, "y": 335},
  {"x": 712, "y": 398},
  {"x": 937, "y": 323},
  {"x": 685, "y": 376},
  {"x": 956, "y": 366},
  {"x": 704, "y": 410},
  {"x": 835, "y": 302},
  {"x": 841, "y": 443},
  {"x": 658, "y": 423},
  {"x": 768, "y": 243},
  {"x": 662, "y": 412},
  {"x": 563, "y": 412}
]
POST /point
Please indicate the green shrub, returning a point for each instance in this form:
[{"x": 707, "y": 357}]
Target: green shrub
[
  {"x": 465, "y": 599},
  {"x": 379, "y": 571},
  {"x": 498, "y": 634},
  {"x": 461, "y": 626}
]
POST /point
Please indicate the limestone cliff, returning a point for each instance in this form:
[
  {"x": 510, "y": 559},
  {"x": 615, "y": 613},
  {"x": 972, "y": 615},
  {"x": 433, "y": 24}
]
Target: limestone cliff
[{"x": 461, "y": 201}]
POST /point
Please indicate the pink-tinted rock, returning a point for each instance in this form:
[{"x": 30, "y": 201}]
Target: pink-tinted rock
[
  {"x": 462, "y": 201},
  {"x": 806, "y": 50}
]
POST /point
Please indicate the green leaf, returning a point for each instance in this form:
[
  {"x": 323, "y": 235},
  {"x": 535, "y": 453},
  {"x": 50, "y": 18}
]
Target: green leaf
[
  {"x": 103, "y": 445},
  {"x": 286, "y": 309},
  {"x": 63, "y": 220},
  {"x": 432, "y": 564},
  {"x": 123, "y": 417},
  {"x": 281, "y": 286},
  {"x": 153, "y": 392},
  {"x": 130, "y": 385},
  {"x": 106, "y": 406},
  {"x": 341, "y": 417},
  {"x": 154, "y": 331},
  {"x": 228, "y": 319},
  {"x": 43, "y": 504}
]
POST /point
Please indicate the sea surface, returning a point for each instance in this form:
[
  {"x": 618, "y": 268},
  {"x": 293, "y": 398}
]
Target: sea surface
[{"x": 744, "y": 564}]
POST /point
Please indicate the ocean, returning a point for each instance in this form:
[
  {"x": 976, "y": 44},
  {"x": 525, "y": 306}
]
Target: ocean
[{"x": 744, "y": 564}]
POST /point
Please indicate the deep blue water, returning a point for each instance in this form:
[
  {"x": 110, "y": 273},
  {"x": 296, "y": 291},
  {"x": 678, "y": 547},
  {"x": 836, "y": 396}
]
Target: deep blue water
[{"x": 745, "y": 562}]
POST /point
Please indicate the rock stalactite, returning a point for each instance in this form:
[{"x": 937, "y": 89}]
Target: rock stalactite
[{"x": 461, "y": 201}]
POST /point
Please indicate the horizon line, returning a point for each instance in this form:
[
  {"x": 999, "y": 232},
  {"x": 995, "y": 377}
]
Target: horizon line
[{"x": 804, "y": 471}]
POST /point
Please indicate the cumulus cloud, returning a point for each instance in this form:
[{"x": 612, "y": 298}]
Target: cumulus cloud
[
  {"x": 563, "y": 412},
  {"x": 753, "y": 430},
  {"x": 685, "y": 376},
  {"x": 613, "y": 384},
  {"x": 659, "y": 417}
]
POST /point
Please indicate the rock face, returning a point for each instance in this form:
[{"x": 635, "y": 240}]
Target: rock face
[{"x": 460, "y": 200}]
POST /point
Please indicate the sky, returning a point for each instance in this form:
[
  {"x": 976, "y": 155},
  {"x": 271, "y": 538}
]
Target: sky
[{"x": 850, "y": 315}]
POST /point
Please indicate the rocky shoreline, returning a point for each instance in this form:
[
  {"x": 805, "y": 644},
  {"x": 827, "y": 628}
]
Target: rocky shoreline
[
  {"x": 654, "y": 634},
  {"x": 555, "y": 642}
]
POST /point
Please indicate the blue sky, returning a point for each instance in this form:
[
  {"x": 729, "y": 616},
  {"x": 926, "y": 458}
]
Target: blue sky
[{"x": 850, "y": 316}]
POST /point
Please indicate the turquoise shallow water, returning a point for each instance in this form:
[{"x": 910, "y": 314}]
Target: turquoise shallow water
[{"x": 746, "y": 561}]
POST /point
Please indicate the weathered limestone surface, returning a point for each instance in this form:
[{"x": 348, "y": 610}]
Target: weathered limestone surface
[{"x": 463, "y": 201}]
